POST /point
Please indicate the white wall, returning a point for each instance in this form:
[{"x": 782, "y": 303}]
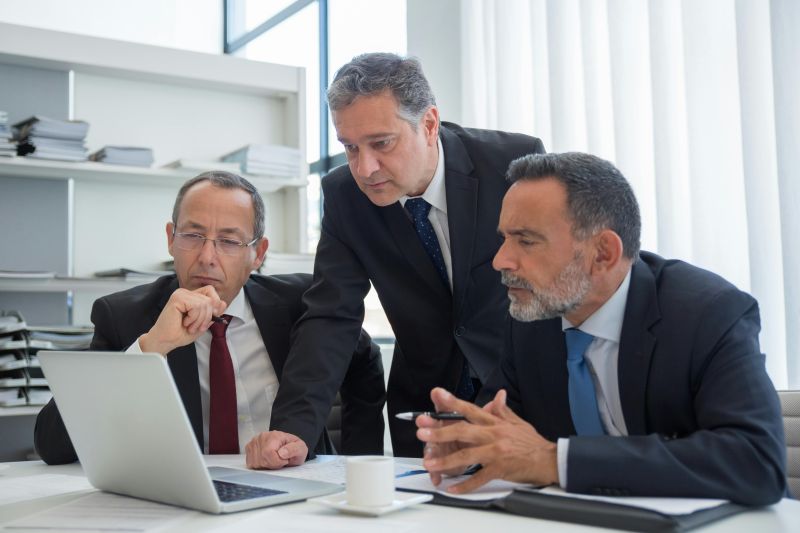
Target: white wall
[
  {"x": 434, "y": 36},
  {"x": 187, "y": 24}
]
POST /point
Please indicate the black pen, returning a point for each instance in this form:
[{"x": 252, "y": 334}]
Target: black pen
[{"x": 444, "y": 415}]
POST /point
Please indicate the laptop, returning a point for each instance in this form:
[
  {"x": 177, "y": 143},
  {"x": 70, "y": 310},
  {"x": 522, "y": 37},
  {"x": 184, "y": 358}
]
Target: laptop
[{"x": 133, "y": 437}]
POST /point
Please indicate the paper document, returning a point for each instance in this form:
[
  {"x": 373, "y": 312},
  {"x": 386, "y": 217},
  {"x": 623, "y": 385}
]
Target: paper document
[
  {"x": 672, "y": 506},
  {"x": 101, "y": 511},
  {"x": 493, "y": 490},
  {"x": 23, "y": 488},
  {"x": 328, "y": 468}
]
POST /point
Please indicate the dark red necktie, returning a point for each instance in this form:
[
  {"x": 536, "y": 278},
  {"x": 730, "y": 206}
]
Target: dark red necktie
[{"x": 223, "y": 426}]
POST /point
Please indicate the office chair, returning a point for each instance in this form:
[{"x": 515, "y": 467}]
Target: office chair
[{"x": 790, "y": 410}]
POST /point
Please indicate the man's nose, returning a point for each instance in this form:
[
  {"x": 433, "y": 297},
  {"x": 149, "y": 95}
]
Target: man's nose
[
  {"x": 367, "y": 164},
  {"x": 208, "y": 251},
  {"x": 503, "y": 259}
]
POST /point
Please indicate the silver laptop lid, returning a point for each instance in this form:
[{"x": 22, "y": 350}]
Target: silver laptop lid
[{"x": 128, "y": 425}]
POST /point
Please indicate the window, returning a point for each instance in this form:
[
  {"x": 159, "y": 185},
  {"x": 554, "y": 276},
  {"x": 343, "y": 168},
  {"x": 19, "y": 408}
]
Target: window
[{"x": 320, "y": 35}]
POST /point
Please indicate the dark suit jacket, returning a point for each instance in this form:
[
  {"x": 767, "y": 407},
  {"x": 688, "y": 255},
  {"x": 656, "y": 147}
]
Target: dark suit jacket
[
  {"x": 362, "y": 243},
  {"x": 702, "y": 415},
  {"x": 122, "y": 317}
]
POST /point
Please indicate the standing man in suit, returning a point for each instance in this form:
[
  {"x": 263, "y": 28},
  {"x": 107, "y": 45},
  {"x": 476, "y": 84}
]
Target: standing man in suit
[
  {"x": 225, "y": 333},
  {"x": 627, "y": 374},
  {"x": 414, "y": 214}
]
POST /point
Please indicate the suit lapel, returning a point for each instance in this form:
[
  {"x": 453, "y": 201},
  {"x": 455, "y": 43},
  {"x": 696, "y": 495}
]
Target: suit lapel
[
  {"x": 462, "y": 211},
  {"x": 274, "y": 324},
  {"x": 183, "y": 365},
  {"x": 636, "y": 347}
]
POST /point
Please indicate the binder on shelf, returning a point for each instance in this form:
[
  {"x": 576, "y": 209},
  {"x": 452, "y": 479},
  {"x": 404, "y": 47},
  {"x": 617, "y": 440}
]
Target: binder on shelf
[
  {"x": 124, "y": 155},
  {"x": 268, "y": 160},
  {"x": 199, "y": 166},
  {"x": 21, "y": 379},
  {"x": 7, "y": 147},
  {"x": 26, "y": 274},
  {"x": 46, "y": 138},
  {"x": 131, "y": 274}
]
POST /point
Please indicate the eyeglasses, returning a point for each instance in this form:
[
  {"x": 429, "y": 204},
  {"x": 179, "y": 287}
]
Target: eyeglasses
[{"x": 194, "y": 241}]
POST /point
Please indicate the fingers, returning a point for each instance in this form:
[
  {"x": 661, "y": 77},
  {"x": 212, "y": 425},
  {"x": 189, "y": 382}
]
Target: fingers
[
  {"x": 294, "y": 452},
  {"x": 480, "y": 478},
  {"x": 463, "y": 432},
  {"x": 218, "y": 305},
  {"x": 444, "y": 401},
  {"x": 275, "y": 449},
  {"x": 459, "y": 460}
]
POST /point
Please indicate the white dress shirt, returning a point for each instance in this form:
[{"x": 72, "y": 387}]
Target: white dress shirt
[
  {"x": 602, "y": 357},
  {"x": 436, "y": 195},
  {"x": 256, "y": 381}
]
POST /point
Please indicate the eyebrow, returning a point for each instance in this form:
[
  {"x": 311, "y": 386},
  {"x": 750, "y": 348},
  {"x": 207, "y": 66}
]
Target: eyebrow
[
  {"x": 522, "y": 232},
  {"x": 199, "y": 227},
  {"x": 368, "y": 138}
]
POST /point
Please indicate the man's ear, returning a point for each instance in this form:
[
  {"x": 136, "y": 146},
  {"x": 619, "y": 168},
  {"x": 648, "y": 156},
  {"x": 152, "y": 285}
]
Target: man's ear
[
  {"x": 607, "y": 251},
  {"x": 170, "y": 237},
  {"x": 261, "y": 252},
  {"x": 430, "y": 124}
]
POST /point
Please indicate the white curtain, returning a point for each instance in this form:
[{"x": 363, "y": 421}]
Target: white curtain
[{"x": 696, "y": 101}]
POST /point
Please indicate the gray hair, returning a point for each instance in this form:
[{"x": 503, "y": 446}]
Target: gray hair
[
  {"x": 226, "y": 180},
  {"x": 372, "y": 74},
  {"x": 598, "y": 195}
]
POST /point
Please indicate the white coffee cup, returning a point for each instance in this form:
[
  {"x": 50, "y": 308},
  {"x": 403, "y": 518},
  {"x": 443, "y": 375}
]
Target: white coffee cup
[{"x": 370, "y": 480}]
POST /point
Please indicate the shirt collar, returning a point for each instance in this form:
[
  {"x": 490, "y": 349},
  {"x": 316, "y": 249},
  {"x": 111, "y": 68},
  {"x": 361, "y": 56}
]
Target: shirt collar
[
  {"x": 435, "y": 192},
  {"x": 238, "y": 306},
  {"x": 606, "y": 322}
]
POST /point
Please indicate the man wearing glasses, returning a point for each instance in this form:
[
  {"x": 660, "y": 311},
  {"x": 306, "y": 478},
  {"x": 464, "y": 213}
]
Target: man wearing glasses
[{"x": 225, "y": 333}]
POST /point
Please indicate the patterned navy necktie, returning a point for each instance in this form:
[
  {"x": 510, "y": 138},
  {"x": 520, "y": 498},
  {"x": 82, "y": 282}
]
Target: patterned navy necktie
[{"x": 419, "y": 210}]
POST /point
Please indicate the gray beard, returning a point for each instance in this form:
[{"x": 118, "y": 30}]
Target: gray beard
[{"x": 564, "y": 296}]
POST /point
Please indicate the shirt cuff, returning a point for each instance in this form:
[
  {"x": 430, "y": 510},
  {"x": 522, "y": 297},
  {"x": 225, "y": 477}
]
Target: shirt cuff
[
  {"x": 134, "y": 348},
  {"x": 562, "y": 453}
]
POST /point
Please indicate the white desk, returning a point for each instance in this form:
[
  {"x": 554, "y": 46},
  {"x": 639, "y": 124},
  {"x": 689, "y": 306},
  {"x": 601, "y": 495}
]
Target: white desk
[{"x": 783, "y": 517}]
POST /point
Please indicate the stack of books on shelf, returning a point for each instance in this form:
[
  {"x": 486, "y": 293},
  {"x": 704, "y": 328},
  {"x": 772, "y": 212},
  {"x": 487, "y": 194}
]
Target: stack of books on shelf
[
  {"x": 21, "y": 378},
  {"x": 199, "y": 166},
  {"x": 269, "y": 160},
  {"x": 47, "y": 138},
  {"x": 124, "y": 155},
  {"x": 7, "y": 147}
]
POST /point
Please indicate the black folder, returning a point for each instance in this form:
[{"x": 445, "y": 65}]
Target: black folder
[{"x": 531, "y": 502}]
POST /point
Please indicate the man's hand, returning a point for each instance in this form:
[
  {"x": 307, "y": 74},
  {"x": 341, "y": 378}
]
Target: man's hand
[
  {"x": 508, "y": 447},
  {"x": 186, "y": 316},
  {"x": 275, "y": 449}
]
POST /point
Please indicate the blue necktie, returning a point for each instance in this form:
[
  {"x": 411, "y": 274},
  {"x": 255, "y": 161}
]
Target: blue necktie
[
  {"x": 582, "y": 398},
  {"x": 419, "y": 209}
]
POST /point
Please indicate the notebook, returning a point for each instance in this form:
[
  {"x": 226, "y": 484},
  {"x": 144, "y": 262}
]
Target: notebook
[{"x": 133, "y": 437}]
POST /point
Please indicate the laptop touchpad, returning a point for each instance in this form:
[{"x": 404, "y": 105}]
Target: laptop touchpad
[{"x": 245, "y": 477}]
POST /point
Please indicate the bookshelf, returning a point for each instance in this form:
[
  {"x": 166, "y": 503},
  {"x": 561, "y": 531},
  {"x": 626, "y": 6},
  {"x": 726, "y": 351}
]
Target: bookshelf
[{"x": 185, "y": 105}]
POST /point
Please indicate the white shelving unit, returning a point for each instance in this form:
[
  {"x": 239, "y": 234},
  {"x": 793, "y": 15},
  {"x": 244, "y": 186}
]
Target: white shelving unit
[
  {"x": 152, "y": 177},
  {"x": 185, "y": 105}
]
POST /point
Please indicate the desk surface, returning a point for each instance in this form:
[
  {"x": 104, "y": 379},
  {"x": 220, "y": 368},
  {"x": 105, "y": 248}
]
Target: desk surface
[{"x": 784, "y": 516}]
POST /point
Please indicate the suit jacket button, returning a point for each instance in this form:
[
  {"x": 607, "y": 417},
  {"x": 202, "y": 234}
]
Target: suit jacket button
[{"x": 460, "y": 331}]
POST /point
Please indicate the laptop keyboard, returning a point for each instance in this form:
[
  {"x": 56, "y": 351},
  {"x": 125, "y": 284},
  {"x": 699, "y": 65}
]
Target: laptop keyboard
[{"x": 234, "y": 492}]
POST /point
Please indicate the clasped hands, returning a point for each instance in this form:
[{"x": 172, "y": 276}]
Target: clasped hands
[
  {"x": 494, "y": 436},
  {"x": 187, "y": 315}
]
